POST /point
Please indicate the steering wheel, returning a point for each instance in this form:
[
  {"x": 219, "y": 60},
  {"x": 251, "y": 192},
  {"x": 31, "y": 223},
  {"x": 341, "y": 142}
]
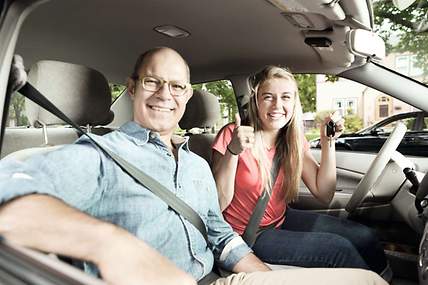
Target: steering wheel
[{"x": 376, "y": 168}]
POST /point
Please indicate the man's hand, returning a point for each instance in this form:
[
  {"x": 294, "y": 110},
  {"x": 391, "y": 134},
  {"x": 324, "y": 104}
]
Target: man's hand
[{"x": 242, "y": 137}]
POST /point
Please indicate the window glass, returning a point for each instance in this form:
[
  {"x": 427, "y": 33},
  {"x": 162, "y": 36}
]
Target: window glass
[
  {"x": 408, "y": 122},
  {"x": 406, "y": 50},
  {"x": 16, "y": 116},
  {"x": 425, "y": 125},
  {"x": 361, "y": 107},
  {"x": 402, "y": 64},
  {"x": 415, "y": 68},
  {"x": 116, "y": 90}
]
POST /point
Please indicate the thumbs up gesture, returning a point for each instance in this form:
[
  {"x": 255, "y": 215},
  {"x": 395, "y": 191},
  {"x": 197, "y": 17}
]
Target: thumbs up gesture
[{"x": 242, "y": 137}]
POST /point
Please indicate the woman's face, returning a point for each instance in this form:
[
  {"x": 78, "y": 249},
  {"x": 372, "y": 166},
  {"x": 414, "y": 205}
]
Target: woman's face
[{"x": 275, "y": 100}]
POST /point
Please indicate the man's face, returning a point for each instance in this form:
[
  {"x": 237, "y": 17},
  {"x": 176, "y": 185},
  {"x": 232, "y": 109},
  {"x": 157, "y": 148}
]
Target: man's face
[{"x": 160, "y": 110}]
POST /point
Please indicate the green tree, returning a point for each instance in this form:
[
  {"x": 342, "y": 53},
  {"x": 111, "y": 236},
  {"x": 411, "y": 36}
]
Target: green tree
[
  {"x": 307, "y": 91},
  {"x": 353, "y": 123},
  {"x": 397, "y": 29},
  {"x": 116, "y": 90},
  {"x": 16, "y": 111}
]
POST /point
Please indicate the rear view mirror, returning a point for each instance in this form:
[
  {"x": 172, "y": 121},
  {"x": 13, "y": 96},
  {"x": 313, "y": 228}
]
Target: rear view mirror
[
  {"x": 366, "y": 44},
  {"x": 402, "y": 4}
]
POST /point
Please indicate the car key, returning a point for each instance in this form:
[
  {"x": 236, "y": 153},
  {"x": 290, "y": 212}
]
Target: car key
[{"x": 330, "y": 128}]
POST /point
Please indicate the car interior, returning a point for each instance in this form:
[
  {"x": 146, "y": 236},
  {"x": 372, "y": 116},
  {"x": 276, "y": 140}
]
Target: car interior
[{"x": 73, "y": 49}]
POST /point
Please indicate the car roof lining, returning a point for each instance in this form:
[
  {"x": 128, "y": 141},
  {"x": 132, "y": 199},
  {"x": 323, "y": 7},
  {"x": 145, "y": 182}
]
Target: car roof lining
[{"x": 222, "y": 42}]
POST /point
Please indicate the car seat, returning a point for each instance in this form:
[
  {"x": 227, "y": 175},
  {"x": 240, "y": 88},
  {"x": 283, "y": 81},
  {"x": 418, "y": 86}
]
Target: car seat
[
  {"x": 202, "y": 112},
  {"x": 82, "y": 93}
]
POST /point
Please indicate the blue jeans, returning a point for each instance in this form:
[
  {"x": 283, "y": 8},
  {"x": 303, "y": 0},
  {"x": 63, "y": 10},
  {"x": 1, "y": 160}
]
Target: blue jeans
[{"x": 309, "y": 239}]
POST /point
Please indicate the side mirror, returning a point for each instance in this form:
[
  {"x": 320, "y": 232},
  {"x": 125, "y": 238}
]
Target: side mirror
[{"x": 366, "y": 44}]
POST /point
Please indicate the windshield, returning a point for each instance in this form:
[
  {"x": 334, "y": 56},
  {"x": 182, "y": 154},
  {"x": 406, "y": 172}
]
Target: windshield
[{"x": 405, "y": 37}]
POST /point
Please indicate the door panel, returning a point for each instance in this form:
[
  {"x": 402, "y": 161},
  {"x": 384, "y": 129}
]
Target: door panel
[{"x": 351, "y": 166}]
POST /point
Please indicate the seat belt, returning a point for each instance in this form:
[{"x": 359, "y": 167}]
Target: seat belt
[
  {"x": 252, "y": 228},
  {"x": 175, "y": 203}
]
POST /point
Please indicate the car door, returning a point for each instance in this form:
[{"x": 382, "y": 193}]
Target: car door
[{"x": 352, "y": 164}]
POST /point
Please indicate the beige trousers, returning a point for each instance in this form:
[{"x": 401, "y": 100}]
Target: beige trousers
[{"x": 312, "y": 276}]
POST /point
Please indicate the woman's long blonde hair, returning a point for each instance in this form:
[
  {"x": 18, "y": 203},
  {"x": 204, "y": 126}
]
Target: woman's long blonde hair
[{"x": 288, "y": 141}]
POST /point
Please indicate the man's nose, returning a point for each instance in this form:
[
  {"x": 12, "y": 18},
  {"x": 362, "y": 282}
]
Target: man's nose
[{"x": 164, "y": 92}]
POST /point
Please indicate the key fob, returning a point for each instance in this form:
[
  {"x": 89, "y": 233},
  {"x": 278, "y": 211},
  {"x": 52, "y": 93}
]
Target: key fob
[{"x": 330, "y": 129}]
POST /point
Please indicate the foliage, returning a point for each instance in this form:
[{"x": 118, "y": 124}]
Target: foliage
[
  {"x": 353, "y": 123},
  {"x": 397, "y": 29},
  {"x": 16, "y": 111},
  {"x": 319, "y": 117},
  {"x": 116, "y": 90},
  {"x": 331, "y": 78},
  {"x": 307, "y": 91},
  {"x": 312, "y": 134}
]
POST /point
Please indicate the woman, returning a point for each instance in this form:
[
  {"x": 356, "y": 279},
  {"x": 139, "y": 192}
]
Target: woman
[{"x": 242, "y": 159}]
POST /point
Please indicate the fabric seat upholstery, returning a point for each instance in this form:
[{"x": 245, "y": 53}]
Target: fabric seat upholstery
[
  {"x": 82, "y": 93},
  {"x": 202, "y": 111}
]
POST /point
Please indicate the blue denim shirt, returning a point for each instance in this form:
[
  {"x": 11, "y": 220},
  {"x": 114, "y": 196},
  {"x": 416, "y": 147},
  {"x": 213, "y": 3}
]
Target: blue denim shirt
[{"x": 83, "y": 177}]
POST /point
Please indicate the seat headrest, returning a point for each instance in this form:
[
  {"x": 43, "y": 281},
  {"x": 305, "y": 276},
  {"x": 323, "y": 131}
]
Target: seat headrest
[
  {"x": 82, "y": 93},
  {"x": 202, "y": 111}
]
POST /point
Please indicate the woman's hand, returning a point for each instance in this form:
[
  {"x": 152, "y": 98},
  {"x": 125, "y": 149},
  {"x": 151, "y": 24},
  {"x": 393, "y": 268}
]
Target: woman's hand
[
  {"x": 242, "y": 137},
  {"x": 339, "y": 125}
]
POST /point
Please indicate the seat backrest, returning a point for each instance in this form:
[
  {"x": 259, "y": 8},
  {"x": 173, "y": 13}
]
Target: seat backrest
[
  {"x": 82, "y": 93},
  {"x": 202, "y": 111}
]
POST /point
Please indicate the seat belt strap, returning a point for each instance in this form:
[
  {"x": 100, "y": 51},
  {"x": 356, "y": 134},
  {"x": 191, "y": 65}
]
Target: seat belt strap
[
  {"x": 250, "y": 232},
  {"x": 175, "y": 203}
]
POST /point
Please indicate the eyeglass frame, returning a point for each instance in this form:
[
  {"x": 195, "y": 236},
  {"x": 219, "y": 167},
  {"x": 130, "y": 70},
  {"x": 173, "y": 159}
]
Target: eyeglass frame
[{"x": 163, "y": 81}]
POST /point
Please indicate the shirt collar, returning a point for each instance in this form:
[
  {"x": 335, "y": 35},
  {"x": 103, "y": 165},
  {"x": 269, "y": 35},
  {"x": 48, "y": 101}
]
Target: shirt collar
[{"x": 141, "y": 135}]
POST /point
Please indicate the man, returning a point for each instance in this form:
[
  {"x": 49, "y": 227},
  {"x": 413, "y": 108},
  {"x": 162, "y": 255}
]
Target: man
[{"x": 99, "y": 214}]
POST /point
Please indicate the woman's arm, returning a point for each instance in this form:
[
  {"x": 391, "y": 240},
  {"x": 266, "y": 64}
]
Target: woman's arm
[
  {"x": 224, "y": 165},
  {"x": 321, "y": 179},
  {"x": 224, "y": 170}
]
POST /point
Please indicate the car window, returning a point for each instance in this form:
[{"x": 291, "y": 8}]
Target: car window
[
  {"x": 388, "y": 128},
  {"x": 16, "y": 116},
  {"x": 425, "y": 124},
  {"x": 370, "y": 116}
]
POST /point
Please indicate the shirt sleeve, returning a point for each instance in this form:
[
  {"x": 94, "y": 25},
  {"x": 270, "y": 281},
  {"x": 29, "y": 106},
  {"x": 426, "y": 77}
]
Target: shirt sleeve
[
  {"x": 223, "y": 138},
  {"x": 227, "y": 246},
  {"x": 71, "y": 174}
]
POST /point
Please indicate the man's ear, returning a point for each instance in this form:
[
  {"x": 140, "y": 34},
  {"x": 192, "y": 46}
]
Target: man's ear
[
  {"x": 131, "y": 87},
  {"x": 189, "y": 94}
]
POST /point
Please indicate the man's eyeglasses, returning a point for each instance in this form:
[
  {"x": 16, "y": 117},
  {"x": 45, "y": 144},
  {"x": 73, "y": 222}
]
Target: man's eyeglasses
[{"x": 154, "y": 83}]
